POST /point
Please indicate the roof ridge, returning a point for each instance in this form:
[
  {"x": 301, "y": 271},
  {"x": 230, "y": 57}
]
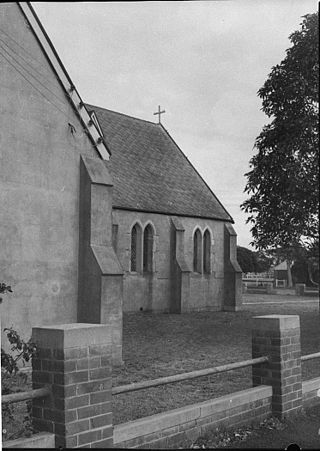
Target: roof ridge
[{"x": 121, "y": 114}]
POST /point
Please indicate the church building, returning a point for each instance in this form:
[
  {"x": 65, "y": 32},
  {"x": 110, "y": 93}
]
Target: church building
[
  {"x": 102, "y": 213},
  {"x": 173, "y": 238}
]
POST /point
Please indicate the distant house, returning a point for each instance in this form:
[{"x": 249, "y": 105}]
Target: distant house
[{"x": 281, "y": 274}]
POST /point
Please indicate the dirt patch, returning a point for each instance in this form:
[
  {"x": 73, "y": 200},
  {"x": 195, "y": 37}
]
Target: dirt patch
[{"x": 302, "y": 430}]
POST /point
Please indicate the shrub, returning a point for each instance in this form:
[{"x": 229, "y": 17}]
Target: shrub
[{"x": 13, "y": 380}]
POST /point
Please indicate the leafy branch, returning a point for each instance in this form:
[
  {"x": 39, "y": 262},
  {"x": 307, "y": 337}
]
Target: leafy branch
[
  {"x": 4, "y": 289},
  {"x": 20, "y": 351}
]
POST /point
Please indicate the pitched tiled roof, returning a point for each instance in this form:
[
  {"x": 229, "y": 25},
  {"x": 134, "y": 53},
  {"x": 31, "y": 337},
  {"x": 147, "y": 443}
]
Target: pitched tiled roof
[{"x": 150, "y": 172}]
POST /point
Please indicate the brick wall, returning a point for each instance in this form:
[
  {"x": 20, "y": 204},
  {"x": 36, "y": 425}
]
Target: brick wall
[
  {"x": 42, "y": 440},
  {"x": 311, "y": 392},
  {"x": 180, "y": 427}
]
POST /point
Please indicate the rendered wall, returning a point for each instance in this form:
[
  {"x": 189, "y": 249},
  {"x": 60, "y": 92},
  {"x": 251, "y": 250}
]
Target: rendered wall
[
  {"x": 153, "y": 292},
  {"x": 39, "y": 185},
  {"x": 100, "y": 274},
  {"x": 232, "y": 271}
]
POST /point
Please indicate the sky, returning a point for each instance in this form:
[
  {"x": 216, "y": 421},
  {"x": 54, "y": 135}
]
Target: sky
[{"x": 201, "y": 61}]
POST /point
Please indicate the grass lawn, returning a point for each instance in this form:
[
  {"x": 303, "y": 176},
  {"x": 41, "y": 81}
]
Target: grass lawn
[{"x": 167, "y": 344}]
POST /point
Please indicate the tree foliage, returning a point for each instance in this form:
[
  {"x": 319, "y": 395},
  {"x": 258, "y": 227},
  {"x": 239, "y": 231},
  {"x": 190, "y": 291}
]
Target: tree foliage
[
  {"x": 264, "y": 261},
  {"x": 283, "y": 181},
  {"x": 251, "y": 261}
]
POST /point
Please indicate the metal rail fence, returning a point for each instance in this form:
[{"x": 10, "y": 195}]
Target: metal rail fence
[{"x": 43, "y": 392}]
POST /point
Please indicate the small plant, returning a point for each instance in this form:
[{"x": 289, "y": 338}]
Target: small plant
[
  {"x": 20, "y": 350},
  {"x": 13, "y": 380},
  {"x": 4, "y": 289}
]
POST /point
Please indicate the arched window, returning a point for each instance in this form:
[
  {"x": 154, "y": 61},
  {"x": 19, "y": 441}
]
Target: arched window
[
  {"x": 148, "y": 249},
  {"x": 135, "y": 262},
  {"x": 197, "y": 251},
  {"x": 206, "y": 252}
]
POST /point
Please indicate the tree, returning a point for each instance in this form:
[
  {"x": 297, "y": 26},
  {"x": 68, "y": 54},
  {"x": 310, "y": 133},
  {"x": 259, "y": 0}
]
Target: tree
[
  {"x": 264, "y": 261},
  {"x": 283, "y": 181},
  {"x": 246, "y": 259},
  {"x": 251, "y": 261},
  {"x": 306, "y": 265}
]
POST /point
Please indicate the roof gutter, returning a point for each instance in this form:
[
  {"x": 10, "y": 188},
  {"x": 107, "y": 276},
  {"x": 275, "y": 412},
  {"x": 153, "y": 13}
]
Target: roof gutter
[{"x": 168, "y": 213}]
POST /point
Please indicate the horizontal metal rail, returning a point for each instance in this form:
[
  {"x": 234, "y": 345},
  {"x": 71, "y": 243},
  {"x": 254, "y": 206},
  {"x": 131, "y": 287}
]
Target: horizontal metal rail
[
  {"x": 185, "y": 376},
  {"x": 25, "y": 395},
  {"x": 310, "y": 356}
]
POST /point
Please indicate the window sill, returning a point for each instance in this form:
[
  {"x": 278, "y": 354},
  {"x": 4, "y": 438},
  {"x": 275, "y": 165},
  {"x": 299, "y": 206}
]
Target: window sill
[
  {"x": 201, "y": 274},
  {"x": 136, "y": 273}
]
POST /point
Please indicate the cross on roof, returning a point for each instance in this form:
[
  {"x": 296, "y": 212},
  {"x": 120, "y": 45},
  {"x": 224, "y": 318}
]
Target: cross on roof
[{"x": 159, "y": 113}]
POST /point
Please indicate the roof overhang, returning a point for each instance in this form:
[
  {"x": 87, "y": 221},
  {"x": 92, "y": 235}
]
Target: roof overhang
[{"x": 72, "y": 94}]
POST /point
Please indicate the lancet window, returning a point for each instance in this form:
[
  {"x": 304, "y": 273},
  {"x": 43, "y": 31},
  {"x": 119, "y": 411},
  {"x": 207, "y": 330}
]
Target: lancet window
[
  {"x": 148, "y": 249},
  {"x": 206, "y": 252},
  {"x": 202, "y": 252},
  {"x": 141, "y": 257},
  {"x": 197, "y": 251},
  {"x": 135, "y": 262}
]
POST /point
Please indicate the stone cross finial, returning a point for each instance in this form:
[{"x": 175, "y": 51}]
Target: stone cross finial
[{"x": 159, "y": 113}]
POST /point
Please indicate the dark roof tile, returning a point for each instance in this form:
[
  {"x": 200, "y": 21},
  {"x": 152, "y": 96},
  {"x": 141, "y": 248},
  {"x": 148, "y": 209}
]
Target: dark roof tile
[{"x": 150, "y": 172}]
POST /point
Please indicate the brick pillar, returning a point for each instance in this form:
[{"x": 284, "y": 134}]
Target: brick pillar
[
  {"x": 300, "y": 289},
  {"x": 74, "y": 360},
  {"x": 278, "y": 337},
  {"x": 269, "y": 287}
]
